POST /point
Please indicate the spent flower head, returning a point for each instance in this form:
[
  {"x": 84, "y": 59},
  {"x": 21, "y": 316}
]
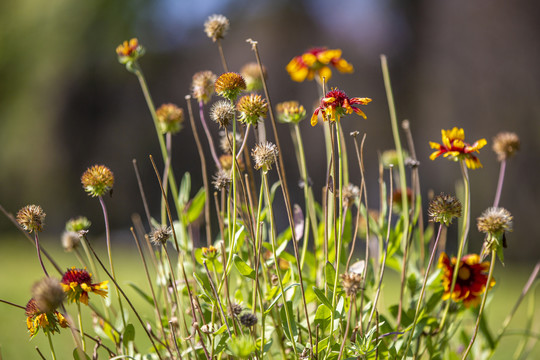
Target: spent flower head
[
  {"x": 169, "y": 118},
  {"x": 216, "y": 27},
  {"x": 443, "y": 208},
  {"x": 337, "y": 104},
  {"x": 71, "y": 240},
  {"x": 252, "y": 74},
  {"x": 471, "y": 278},
  {"x": 351, "y": 193},
  {"x": 495, "y": 222},
  {"x": 221, "y": 180},
  {"x": 160, "y": 234},
  {"x": 252, "y": 109},
  {"x": 97, "y": 180},
  {"x": 48, "y": 293},
  {"x": 455, "y": 148},
  {"x": 229, "y": 85},
  {"x": 31, "y": 218},
  {"x": 77, "y": 283},
  {"x": 505, "y": 145},
  {"x": 37, "y": 319},
  {"x": 202, "y": 85},
  {"x": 351, "y": 283},
  {"x": 290, "y": 112},
  {"x": 223, "y": 113},
  {"x": 317, "y": 61},
  {"x": 248, "y": 319},
  {"x": 264, "y": 155}
]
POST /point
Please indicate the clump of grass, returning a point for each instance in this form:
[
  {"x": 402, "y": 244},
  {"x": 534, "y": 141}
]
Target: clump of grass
[{"x": 252, "y": 291}]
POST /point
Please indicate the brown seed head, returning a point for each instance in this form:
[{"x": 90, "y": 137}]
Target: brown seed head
[
  {"x": 70, "y": 240},
  {"x": 216, "y": 27},
  {"x": 351, "y": 283},
  {"x": 248, "y": 319},
  {"x": 160, "y": 235},
  {"x": 223, "y": 113},
  {"x": 350, "y": 194},
  {"x": 97, "y": 180},
  {"x": 252, "y": 108},
  {"x": 170, "y": 118},
  {"x": 202, "y": 85},
  {"x": 48, "y": 294},
  {"x": 222, "y": 179},
  {"x": 236, "y": 309},
  {"x": 31, "y": 218},
  {"x": 230, "y": 85},
  {"x": 495, "y": 221},
  {"x": 443, "y": 208},
  {"x": 264, "y": 155},
  {"x": 290, "y": 112},
  {"x": 252, "y": 74},
  {"x": 505, "y": 145}
]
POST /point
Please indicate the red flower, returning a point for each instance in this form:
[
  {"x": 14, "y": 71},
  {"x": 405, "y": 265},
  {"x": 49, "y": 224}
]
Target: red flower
[
  {"x": 316, "y": 61},
  {"x": 336, "y": 104},
  {"x": 77, "y": 283},
  {"x": 454, "y": 147}
]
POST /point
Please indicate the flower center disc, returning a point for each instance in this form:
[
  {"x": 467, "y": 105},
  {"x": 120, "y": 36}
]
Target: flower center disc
[{"x": 464, "y": 273}]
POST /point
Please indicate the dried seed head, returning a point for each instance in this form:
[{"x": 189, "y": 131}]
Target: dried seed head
[
  {"x": 351, "y": 283},
  {"x": 216, "y": 27},
  {"x": 248, "y": 319},
  {"x": 236, "y": 309},
  {"x": 70, "y": 240},
  {"x": 160, "y": 235},
  {"x": 252, "y": 74},
  {"x": 222, "y": 180},
  {"x": 48, "y": 293},
  {"x": 97, "y": 180},
  {"x": 290, "y": 112},
  {"x": 495, "y": 221},
  {"x": 223, "y": 113},
  {"x": 350, "y": 194},
  {"x": 505, "y": 145},
  {"x": 252, "y": 108},
  {"x": 443, "y": 208},
  {"x": 230, "y": 85},
  {"x": 78, "y": 224},
  {"x": 202, "y": 85},
  {"x": 264, "y": 155},
  {"x": 170, "y": 118},
  {"x": 225, "y": 142},
  {"x": 31, "y": 218}
]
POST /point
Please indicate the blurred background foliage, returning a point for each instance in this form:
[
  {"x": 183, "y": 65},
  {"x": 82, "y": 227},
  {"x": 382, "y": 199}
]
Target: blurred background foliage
[{"x": 66, "y": 103}]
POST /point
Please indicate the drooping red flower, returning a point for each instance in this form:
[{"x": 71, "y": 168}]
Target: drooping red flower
[
  {"x": 471, "y": 279},
  {"x": 36, "y": 319},
  {"x": 336, "y": 104},
  {"x": 77, "y": 283}
]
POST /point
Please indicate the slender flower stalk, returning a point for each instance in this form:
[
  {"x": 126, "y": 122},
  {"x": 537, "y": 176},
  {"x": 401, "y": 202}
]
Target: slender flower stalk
[{"x": 53, "y": 353}]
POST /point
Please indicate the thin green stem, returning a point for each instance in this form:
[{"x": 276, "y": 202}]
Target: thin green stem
[
  {"x": 53, "y": 353},
  {"x": 482, "y": 305},
  {"x": 463, "y": 240},
  {"x": 81, "y": 329}
]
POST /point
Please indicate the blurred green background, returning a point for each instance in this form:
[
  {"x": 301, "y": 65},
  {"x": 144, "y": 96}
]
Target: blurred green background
[{"x": 66, "y": 103}]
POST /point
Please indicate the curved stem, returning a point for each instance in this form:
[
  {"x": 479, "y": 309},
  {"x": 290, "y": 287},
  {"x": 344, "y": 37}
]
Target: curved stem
[
  {"x": 484, "y": 298},
  {"x": 38, "y": 249},
  {"x": 208, "y": 135},
  {"x": 500, "y": 184},
  {"x": 239, "y": 154}
]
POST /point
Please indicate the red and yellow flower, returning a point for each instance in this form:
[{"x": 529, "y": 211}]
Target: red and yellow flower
[
  {"x": 317, "y": 61},
  {"x": 35, "y": 319},
  {"x": 471, "y": 279},
  {"x": 336, "y": 104},
  {"x": 455, "y": 148},
  {"x": 77, "y": 283},
  {"x": 129, "y": 51}
]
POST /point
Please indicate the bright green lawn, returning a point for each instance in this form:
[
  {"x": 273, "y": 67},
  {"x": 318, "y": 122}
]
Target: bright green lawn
[{"x": 20, "y": 270}]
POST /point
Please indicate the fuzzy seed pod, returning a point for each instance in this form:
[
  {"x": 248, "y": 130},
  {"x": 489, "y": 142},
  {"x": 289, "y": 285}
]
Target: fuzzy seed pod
[
  {"x": 264, "y": 155},
  {"x": 160, "y": 235},
  {"x": 505, "y": 145},
  {"x": 252, "y": 109},
  {"x": 216, "y": 27},
  {"x": 351, "y": 283},
  {"x": 248, "y": 319},
  {"x": 222, "y": 112},
  {"x": 31, "y": 218},
  {"x": 202, "y": 85},
  {"x": 443, "y": 208},
  {"x": 48, "y": 293},
  {"x": 230, "y": 85}
]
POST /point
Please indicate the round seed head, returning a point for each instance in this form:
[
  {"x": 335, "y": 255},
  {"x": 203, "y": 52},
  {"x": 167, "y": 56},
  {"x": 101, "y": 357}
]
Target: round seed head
[
  {"x": 170, "y": 118},
  {"x": 236, "y": 309},
  {"x": 252, "y": 108},
  {"x": 443, "y": 208},
  {"x": 97, "y": 180},
  {"x": 222, "y": 180},
  {"x": 248, "y": 319},
  {"x": 495, "y": 221},
  {"x": 216, "y": 27},
  {"x": 202, "y": 85},
  {"x": 505, "y": 145},
  {"x": 350, "y": 194},
  {"x": 230, "y": 85},
  {"x": 70, "y": 240},
  {"x": 252, "y": 74},
  {"x": 48, "y": 293},
  {"x": 222, "y": 112},
  {"x": 31, "y": 218},
  {"x": 351, "y": 283},
  {"x": 160, "y": 235},
  {"x": 264, "y": 155}
]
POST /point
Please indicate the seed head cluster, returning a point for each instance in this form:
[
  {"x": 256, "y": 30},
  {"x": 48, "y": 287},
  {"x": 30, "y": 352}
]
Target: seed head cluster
[
  {"x": 230, "y": 85},
  {"x": 221, "y": 180},
  {"x": 495, "y": 221},
  {"x": 248, "y": 319},
  {"x": 264, "y": 155},
  {"x": 505, "y": 145},
  {"x": 31, "y": 218},
  {"x": 202, "y": 85},
  {"x": 351, "y": 283},
  {"x": 160, "y": 235},
  {"x": 351, "y": 192},
  {"x": 97, "y": 180},
  {"x": 443, "y": 208},
  {"x": 216, "y": 27},
  {"x": 170, "y": 118},
  {"x": 252, "y": 108}
]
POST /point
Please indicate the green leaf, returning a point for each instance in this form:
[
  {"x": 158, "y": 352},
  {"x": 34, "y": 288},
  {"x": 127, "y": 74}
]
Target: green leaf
[
  {"x": 323, "y": 316},
  {"x": 277, "y": 298},
  {"x": 185, "y": 188},
  {"x": 77, "y": 357},
  {"x": 330, "y": 274},
  {"x": 196, "y": 206},
  {"x": 205, "y": 286},
  {"x": 322, "y": 298},
  {"x": 144, "y": 295},
  {"x": 129, "y": 334},
  {"x": 243, "y": 268}
]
